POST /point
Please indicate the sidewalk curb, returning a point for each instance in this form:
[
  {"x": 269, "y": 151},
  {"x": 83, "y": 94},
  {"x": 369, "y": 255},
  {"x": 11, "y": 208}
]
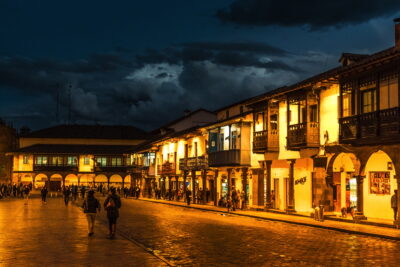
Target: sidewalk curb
[{"x": 280, "y": 220}]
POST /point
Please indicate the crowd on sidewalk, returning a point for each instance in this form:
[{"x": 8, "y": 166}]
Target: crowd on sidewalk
[{"x": 15, "y": 190}]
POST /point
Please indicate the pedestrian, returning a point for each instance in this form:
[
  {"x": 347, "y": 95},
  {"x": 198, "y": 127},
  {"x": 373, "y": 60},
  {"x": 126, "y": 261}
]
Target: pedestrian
[
  {"x": 26, "y": 194},
  {"x": 394, "y": 204},
  {"x": 66, "y": 192},
  {"x": 90, "y": 207},
  {"x": 233, "y": 199},
  {"x": 43, "y": 194},
  {"x": 188, "y": 194},
  {"x": 112, "y": 204}
]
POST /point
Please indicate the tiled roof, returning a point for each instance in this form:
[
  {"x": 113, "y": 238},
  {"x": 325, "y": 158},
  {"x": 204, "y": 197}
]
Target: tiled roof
[{"x": 89, "y": 131}]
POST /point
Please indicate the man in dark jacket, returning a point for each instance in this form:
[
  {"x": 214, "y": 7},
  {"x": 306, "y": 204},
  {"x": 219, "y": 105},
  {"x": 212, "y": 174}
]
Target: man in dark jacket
[
  {"x": 66, "y": 192},
  {"x": 43, "y": 193},
  {"x": 112, "y": 204},
  {"x": 188, "y": 193},
  {"x": 90, "y": 206}
]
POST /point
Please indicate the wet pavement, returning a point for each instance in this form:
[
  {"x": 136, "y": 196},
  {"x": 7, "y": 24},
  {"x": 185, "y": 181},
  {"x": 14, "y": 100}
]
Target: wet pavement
[
  {"x": 201, "y": 238},
  {"x": 55, "y": 235}
]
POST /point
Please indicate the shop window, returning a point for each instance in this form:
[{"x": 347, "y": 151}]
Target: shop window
[{"x": 26, "y": 159}]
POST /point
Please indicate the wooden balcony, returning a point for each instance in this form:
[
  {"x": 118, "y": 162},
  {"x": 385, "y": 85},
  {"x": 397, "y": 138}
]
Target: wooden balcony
[
  {"x": 233, "y": 157},
  {"x": 193, "y": 164},
  {"x": 167, "y": 168},
  {"x": 260, "y": 141},
  {"x": 55, "y": 168},
  {"x": 265, "y": 141},
  {"x": 303, "y": 135},
  {"x": 376, "y": 127}
]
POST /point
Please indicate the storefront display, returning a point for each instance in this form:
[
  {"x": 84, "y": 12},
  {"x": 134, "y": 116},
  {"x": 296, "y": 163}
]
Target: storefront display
[{"x": 379, "y": 183}]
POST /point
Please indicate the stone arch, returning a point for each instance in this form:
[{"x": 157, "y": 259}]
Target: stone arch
[
  {"x": 127, "y": 181},
  {"x": 116, "y": 180},
  {"x": 71, "y": 179},
  {"x": 40, "y": 180},
  {"x": 379, "y": 185},
  {"x": 86, "y": 180}
]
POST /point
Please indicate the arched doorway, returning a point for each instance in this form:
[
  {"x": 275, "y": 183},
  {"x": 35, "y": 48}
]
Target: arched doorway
[
  {"x": 379, "y": 185},
  {"x": 127, "y": 181},
  {"x": 86, "y": 180},
  {"x": 344, "y": 181},
  {"x": 55, "y": 182},
  {"x": 26, "y": 179}
]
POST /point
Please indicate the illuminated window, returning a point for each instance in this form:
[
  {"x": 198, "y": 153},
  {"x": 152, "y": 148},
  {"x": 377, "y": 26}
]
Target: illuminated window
[
  {"x": 388, "y": 87},
  {"x": 86, "y": 160},
  {"x": 273, "y": 122},
  {"x": 116, "y": 161},
  {"x": 102, "y": 161},
  {"x": 26, "y": 159},
  {"x": 41, "y": 160},
  {"x": 313, "y": 113},
  {"x": 72, "y": 161},
  {"x": 368, "y": 101},
  {"x": 56, "y": 161},
  {"x": 346, "y": 104}
]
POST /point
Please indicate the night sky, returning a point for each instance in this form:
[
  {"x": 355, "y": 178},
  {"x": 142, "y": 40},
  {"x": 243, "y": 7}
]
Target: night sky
[{"x": 143, "y": 63}]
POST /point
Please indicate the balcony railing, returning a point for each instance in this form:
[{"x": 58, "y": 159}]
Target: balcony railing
[
  {"x": 303, "y": 135},
  {"x": 55, "y": 167},
  {"x": 167, "y": 168},
  {"x": 193, "y": 164},
  {"x": 114, "y": 168},
  {"x": 224, "y": 158},
  {"x": 369, "y": 126},
  {"x": 260, "y": 140}
]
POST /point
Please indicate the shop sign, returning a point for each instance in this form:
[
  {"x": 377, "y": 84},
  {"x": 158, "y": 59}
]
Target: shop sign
[
  {"x": 300, "y": 181},
  {"x": 379, "y": 183}
]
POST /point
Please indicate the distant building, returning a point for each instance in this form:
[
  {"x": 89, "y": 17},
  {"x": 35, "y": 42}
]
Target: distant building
[
  {"x": 8, "y": 141},
  {"x": 76, "y": 154}
]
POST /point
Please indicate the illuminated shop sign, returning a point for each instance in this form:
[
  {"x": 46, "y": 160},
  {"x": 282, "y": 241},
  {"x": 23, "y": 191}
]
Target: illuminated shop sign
[{"x": 379, "y": 183}]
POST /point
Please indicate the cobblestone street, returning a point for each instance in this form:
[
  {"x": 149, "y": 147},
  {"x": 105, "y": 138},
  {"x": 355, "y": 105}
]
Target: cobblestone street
[{"x": 52, "y": 234}]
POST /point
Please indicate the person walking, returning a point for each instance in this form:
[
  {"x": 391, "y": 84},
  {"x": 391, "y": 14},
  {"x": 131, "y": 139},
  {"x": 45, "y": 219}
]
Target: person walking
[
  {"x": 90, "y": 207},
  {"x": 112, "y": 204},
  {"x": 67, "y": 192},
  {"x": 43, "y": 194},
  {"x": 394, "y": 204},
  {"x": 188, "y": 194},
  {"x": 26, "y": 194}
]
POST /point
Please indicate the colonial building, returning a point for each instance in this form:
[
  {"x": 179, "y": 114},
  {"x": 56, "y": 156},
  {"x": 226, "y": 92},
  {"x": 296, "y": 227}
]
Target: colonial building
[{"x": 76, "y": 154}]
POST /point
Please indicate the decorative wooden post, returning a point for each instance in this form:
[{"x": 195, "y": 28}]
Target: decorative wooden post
[
  {"x": 245, "y": 201},
  {"x": 267, "y": 169},
  {"x": 194, "y": 187},
  {"x": 290, "y": 205},
  {"x": 204, "y": 178},
  {"x": 215, "y": 188}
]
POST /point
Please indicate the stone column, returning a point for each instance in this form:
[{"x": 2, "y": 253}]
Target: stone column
[
  {"x": 215, "y": 188},
  {"x": 204, "y": 178},
  {"x": 267, "y": 173},
  {"x": 245, "y": 201},
  {"x": 184, "y": 181},
  {"x": 194, "y": 187},
  {"x": 290, "y": 204}
]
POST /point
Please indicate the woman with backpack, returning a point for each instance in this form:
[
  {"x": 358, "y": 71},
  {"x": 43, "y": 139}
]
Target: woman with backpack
[
  {"x": 112, "y": 205},
  {"x": 90, "y": 206}
]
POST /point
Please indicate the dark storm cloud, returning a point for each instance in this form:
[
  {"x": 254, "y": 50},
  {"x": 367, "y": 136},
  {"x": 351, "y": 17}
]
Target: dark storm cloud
[
  {"x": 238, "y": 54},
  {"x": 148, "y": 89},
  {"x": 312, "y": 13}
]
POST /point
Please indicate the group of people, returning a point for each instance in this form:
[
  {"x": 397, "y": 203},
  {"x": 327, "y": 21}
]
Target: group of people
[
  {"x": 16, "y": 191},
  {"x": 91, "y": 206},
  {"x": 236, "y": 200}
]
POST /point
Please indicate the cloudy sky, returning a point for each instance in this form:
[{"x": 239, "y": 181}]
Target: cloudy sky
[{"x": 143, "y": 63}]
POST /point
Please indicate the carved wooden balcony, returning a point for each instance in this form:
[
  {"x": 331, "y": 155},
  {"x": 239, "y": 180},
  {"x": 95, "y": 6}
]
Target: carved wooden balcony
[{"x": 303, "y": 135}]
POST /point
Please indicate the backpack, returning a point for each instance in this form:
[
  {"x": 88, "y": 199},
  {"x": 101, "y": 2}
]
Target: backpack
[{"x": 111, "y": 203}]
